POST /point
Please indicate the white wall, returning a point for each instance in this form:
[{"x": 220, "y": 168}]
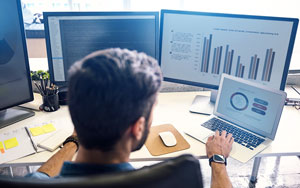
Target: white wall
[{"x": 280, "y": 8}]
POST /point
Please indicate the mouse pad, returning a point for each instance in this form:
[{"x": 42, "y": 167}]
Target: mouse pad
[{"x": 156, "y": 146}]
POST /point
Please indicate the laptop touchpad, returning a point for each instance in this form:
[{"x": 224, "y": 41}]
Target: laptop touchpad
[{"x": 200, "y": 133}]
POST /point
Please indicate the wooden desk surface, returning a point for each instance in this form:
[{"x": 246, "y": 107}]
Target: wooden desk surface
[{"x": 173, "y": 108}]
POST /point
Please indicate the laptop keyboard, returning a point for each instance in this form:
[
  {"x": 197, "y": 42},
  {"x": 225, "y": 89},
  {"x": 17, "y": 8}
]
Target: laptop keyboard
[{"x": 240, "y": 136}]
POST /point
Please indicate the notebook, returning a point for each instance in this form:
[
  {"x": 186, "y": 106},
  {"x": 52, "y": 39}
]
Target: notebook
[{"x": 248, "y": 110}]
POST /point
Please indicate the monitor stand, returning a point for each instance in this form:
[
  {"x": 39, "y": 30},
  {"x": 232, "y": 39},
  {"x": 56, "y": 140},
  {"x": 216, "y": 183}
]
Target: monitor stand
[
  {"x": 13, "y": 115},
  {"x": 204, "y": 104}
]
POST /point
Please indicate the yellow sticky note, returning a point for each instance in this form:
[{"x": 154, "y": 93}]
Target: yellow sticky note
[
  {"x": 11, "y": 143},
  {"x": 1, "y": 147},
  {"x": 48, "y": 128},
  {"x": 35, "y": 131}
]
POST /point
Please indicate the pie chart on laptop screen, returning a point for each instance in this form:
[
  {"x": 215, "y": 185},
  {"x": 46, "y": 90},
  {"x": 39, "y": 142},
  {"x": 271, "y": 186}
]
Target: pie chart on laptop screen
[{"x": 239, "y": 101}]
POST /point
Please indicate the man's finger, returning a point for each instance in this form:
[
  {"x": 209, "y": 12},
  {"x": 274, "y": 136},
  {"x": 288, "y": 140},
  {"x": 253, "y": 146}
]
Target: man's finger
[
  {"x": 209, "y": 139},
  {"x": 217, "y": 133},
  {"x": 229, "y": 136},
  {"x": 223, "y": 134},
  {"x": 231, "y": 141}
]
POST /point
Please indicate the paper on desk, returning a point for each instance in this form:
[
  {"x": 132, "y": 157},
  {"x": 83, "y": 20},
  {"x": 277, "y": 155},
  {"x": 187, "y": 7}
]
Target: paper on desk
[
  {"x": 42, "y": 131},
  {"x": 14, "y": 145}
]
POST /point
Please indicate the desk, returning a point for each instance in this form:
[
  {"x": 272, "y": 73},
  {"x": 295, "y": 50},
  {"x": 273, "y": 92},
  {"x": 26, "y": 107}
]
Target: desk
[{"x": 173, "y": 108}]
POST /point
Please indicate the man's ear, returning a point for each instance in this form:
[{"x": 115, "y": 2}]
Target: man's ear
[{"x": 138, "y": 127}]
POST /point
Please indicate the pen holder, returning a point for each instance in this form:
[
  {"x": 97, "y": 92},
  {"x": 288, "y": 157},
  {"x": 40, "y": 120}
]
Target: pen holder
[{"x": 50, "y": 103}]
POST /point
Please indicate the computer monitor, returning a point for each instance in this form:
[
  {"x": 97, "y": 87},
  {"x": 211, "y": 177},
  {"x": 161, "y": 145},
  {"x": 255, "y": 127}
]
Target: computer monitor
[
  {"x": 15, "y": 82},
  {"x": 197, "y": 47},
  {"x": 71, "y": 36}
]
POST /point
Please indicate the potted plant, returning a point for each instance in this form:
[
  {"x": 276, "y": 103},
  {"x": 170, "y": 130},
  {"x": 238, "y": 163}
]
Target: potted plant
[{"x": 36, "y": 76}]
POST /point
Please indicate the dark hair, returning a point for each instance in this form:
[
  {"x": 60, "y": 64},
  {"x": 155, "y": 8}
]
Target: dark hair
[{"x": 109, "y": 90}]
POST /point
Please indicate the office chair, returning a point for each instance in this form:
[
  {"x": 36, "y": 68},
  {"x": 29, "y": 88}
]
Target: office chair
[{"x": 183, "y": 171}]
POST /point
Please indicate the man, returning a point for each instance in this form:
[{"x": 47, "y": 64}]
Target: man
[{"x": 112, "y": 94}]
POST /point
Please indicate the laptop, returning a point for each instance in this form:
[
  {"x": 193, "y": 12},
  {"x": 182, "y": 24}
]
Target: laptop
[{"x": 248, "y": 110}]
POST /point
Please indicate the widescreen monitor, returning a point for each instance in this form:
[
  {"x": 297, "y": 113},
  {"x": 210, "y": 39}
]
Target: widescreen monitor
[
  {"x": 71, "y": 36},
  {"x": 197, "y": 47},
  {"x": 15, "y": 82}
]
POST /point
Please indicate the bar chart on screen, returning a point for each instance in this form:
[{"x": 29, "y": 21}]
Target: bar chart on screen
[
  {"x": 252, "y": 49},
  {"x": 253, "y": 62}
]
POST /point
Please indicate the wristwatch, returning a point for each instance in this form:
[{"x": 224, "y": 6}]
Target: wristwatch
[
  {"x": 218, "y": 159},
  {"x": 74, "y": 139}
]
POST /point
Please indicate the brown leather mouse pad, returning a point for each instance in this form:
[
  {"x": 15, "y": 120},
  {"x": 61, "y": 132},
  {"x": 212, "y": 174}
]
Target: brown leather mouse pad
[{"x": 155, "y": 144}]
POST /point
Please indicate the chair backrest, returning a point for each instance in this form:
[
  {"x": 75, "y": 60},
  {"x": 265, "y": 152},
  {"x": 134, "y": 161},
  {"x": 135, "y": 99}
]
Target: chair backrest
[{"x": 183, "y": 171}]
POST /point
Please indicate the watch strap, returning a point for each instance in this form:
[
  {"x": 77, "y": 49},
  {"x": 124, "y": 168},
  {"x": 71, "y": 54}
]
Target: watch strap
[{"x": 73, "y": 139}]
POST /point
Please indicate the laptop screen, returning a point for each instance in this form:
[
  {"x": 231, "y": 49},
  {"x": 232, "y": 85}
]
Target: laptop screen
[{"x": 250, "y": 105}]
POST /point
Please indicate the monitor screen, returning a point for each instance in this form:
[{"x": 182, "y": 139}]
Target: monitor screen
[
  {"x": 15, "y": 83},
  {"x": 196, "y": 48},
  {"x": 71, "y": 36}
]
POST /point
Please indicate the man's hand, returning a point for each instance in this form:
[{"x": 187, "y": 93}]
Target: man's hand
[{"x": 220, "y": 145}]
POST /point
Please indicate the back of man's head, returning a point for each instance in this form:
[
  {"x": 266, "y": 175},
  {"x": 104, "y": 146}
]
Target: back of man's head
[{"x": 109, "y": 90}]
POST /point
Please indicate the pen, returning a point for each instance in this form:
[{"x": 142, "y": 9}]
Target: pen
[
  {"x": 34, "y": 146},
  {"x": 46, "y": 82},
  {"x": 42, "y": 83}
]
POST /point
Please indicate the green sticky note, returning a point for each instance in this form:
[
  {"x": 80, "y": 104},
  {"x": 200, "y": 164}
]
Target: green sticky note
[
  {"x": 48, "y": 128},
  {"x": 11, "y": 143},
  {"x": 36, "y": 131}
]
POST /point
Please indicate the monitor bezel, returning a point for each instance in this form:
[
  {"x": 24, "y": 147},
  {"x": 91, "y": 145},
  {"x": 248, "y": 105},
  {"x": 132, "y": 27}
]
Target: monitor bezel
[
  {"x": 295, "y": 22},
  {"x": 46, "y": 15},
  {"x": 26, "y": 60}
]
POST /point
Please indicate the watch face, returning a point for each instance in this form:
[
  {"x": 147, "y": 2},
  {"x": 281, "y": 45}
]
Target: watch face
[{"x": 218, "y": 158}]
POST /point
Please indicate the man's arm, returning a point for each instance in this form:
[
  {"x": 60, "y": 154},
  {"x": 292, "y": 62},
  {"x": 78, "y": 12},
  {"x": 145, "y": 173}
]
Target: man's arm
[
  {"x": 221, "y": 145},
  {"x": 53, "y": 166}
]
